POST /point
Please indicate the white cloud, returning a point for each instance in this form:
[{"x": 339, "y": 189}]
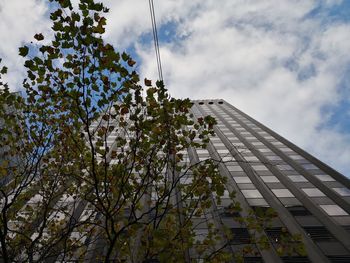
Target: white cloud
[
  {"x": 128, "y": 20},
  {"x": 270, "y": 58},
  {"x": 20, "y": 20}
]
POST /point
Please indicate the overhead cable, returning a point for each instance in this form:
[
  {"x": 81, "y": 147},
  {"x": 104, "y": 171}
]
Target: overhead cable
[{"x": 155, "y": 38}]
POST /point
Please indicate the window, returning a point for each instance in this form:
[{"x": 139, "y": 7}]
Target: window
[
  {"x": 228, "y": 211},
  {"x": 304, "y": 161},
  {"x": 334, "y": 210},
  {"x": 324, "y": 177},
  {"x": 295, "y": 259},
  {"x": 251, "y": 159},
  {"x": 257, "y": 202},
  {"x": 277, "y": 143},
  {"x": 282, "y": 192},
  {"x": 270, "y": 179},
  {"x": 242, "y": 180},
  {"x": 240, "y": 236},
  {"x": 339, "y": 258},
  {"x": 186, "y": 180},
  {"x": 284, "y": 167},
  {"x": 250, "y": 138},
  {"x": 297, "y": 178},
  {"x": 257, "y": 143},
  {"x": 251, "y": 193},
  {"x": 313, "y": 192},
  {"x": 296, "y": 157},
  {"x": 318, "y": 233},
  {"x": 218, "y": 144},
  {"x": 239, "y": 145},
  {"x": 227, "y": 158},
  {"x": 223, "y": 151},
  {"x": 265, "y": 150},
  {"x": 309, "y": 166},
  {"x": 246, "y": 186},
  {"x": 226, "y": 194},
  {"x": 81, "y": 236},
  {"x": 259, "y": 210},
  {"x": 200, "y": 151},
  {"x": 235, "y": 168},
  {"x": 342, "y": 191},
  {"x": 273, "y": 158},
  {"x": 201, "y": 234},
  {"x": 260, "y": 167},
  {"x": 298, "y": 211},
  {"x": 285, "y": 149},
  {"x": 250, "y": 259},
  {"x": 275, "y": 233}
]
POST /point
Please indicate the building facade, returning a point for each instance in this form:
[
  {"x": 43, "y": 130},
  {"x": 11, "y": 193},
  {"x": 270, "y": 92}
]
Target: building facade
[
  {"x": 263, "y": 170},
  {"x": 266, "y": 170}
]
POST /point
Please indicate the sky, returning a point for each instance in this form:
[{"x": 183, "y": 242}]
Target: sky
[{"x": 285, "y": 63}]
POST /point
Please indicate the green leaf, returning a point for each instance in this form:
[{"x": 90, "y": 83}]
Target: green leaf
[
  {"x": 23, "y": 51},
  {"x": 3, "y": 70},
  {"x": 98, "y": 7},
  {"x": 75, "y": 16},
  {"x": 131, "y": 62},
  {"x": 148, "y": 83},
  {"x": 125, "y": 56},
  {"x": 39, "y": 37},
  {"x": 65, "y": 3},
  {"x": 100, "y": 103}
]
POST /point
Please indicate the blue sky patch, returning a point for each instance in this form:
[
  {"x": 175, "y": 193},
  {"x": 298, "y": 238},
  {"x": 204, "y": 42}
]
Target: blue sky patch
[{"x": 334, "y": 13}]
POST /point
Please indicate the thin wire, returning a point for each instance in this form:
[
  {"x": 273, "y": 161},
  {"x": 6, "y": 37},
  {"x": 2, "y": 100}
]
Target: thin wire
[{"x": 155, "y": 39}]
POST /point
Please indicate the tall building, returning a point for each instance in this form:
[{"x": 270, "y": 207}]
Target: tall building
[
  {"x": 266, "y": 170},
  {"x": 263, "y": 171},
  {"x": 12, "y": 161}
]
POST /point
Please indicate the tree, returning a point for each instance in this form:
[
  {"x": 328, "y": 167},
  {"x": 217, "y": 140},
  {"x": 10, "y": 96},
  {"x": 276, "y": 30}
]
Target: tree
[{"x": 92, "y": 169}]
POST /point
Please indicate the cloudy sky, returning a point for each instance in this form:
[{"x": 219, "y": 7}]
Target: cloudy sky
[{"x": 285, "y": 63}]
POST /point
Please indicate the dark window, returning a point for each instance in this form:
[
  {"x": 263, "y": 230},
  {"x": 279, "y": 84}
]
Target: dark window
[
  {"x": 347, "y": 228},
  {"x": 220, "y": 102},
  {"x": 260, "y": 209},
  {"x": 201, "y": 103},
  {"x": 295, "y": 259},
  {"x": 339, "y": 259},
  {"x": 298, "y": 211},
  {"x": 263, "y": 211},
  {"x": 253, "y": 260},
  {"x": 151, "y": 261},
  {"x": 240, "y": 236},
  {"x": 319, "y": 233},
  {"x": 229, "y": 212},
  {"x": 210, "y": 102},
  {"x": 275, "y": 233}
]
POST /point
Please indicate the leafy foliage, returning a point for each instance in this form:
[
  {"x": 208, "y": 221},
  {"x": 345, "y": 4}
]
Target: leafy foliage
[{"x": 93, "y": 169}]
